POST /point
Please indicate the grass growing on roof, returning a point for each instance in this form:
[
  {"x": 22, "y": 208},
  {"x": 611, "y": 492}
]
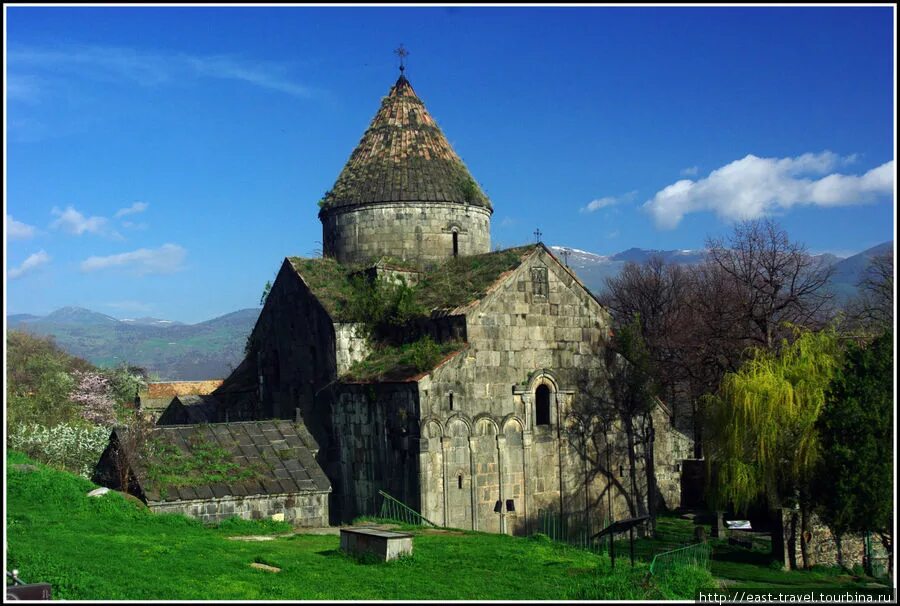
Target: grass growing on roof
[
  {"x": 455, "y": 282},
  {"x": 384, "y": 307},
  {"x": 397, "y": 362},
  {"x": 328, "y": 279},
  {"x": 207, "y": 463},
  {"x": 462, "y": 280}
]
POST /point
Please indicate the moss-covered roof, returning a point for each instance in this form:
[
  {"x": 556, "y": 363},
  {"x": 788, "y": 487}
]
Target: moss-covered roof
[
  {"x": 331, "y": 282},
  {"x": 464, "y": 280},
  {"x": 400, "y": 363},
  {"x": 455, "y": 283},
  {"x": 403, "y": 156},
  {"x": 185, "y": 462}
]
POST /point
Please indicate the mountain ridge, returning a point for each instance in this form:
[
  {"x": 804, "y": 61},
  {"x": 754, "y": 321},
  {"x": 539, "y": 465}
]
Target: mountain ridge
[
  {"x": 170, "y": 349},
  {"x": 211, "y": 348}
]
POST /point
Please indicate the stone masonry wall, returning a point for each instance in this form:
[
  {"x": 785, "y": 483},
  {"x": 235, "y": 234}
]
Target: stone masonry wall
[
  {"x": 308, "y": 509},
  {"x": 480, "y": 438},
  {"x": 295, "y": 353},
  {"x": 670, "y": 448},
  {"x": 420, "y": 232},
  {"x": 350, "y": 345},
  {"x": 375, "y": 430},
  {"x": 823, "y": 546}
]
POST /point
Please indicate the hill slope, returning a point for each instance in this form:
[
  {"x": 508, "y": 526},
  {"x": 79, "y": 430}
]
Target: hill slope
[
  {"x": 59, "y": 535},
  {"x": 174, "y": 351}
]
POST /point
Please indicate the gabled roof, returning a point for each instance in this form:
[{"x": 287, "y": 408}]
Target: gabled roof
[
  {"x": 187, "y": 462},
  {"x": 155, "y": 404},
  {"x": 190, "y": 410},
  {"x": 455, "y": 283},
  {"x": 404, "y": 156}
]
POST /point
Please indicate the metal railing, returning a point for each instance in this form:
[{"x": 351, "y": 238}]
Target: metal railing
[
  {"x": 692, "y": 555},
  {"x": 562, "y": 529},
  {"x": 392, "y": 509}
]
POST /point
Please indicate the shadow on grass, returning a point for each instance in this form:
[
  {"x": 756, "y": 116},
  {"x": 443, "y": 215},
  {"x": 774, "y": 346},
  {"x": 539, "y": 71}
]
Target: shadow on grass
[{"x": 364, "y": 559}]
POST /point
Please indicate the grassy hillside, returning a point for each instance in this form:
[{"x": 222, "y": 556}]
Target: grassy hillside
[
  {"x": 208, "y": 350},
  {"x": 111, "y": 548}
]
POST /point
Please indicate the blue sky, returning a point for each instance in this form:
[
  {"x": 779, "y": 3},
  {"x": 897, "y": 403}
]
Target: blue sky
[{"x": 163, "y": 161}]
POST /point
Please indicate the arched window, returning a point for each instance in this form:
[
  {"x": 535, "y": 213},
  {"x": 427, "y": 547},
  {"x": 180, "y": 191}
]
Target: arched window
[
  {"x": 455, "y": 244},
  {"x": 542, "y": 405}
]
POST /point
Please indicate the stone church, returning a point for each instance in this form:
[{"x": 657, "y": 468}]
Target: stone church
[{"x": 502, "y": 419}]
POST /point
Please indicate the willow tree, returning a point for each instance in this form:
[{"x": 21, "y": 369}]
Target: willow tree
[{"x": 761, "y": 426}]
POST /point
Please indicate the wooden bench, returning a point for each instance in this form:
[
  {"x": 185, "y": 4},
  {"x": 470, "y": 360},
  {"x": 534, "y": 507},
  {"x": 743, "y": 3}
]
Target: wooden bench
[{"x": 384, "y": 544}]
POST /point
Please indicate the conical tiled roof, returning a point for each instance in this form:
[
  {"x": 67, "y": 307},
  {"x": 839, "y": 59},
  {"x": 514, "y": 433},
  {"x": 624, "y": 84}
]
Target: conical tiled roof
[{"x": 404, "y": 157}]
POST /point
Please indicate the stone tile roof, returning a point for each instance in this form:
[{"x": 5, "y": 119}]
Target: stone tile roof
[
  {"x": 260, "y": 458},
  {"x": 404, "y": 157},
  {"x": 182, "y": 388}
]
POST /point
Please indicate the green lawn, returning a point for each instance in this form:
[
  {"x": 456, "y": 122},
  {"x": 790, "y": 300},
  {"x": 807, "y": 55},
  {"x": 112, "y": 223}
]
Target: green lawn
[
  {"x": 109, "y": 548},
  {"x": 737, "y": 566}
]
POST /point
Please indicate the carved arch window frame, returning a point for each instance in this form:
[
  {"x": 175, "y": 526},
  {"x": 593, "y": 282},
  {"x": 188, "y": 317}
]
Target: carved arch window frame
[{"x": 548, "y": 379}]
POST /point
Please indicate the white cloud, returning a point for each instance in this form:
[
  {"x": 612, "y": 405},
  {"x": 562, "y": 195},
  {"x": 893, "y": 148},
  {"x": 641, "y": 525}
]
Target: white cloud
[
  {"x": 150, "y": 68},
  {"x": 17, "y": 229},
  {"x": 599, "y": 203},
  {"x": 137, "y": 207},
  {"x": 36, "y": 260},
  {"x": 753, "y": 187},
  {"x": 607, "y": 201},
  {"x": 73, "y": 222},
  {"x": 166, "y": 259},
  {"x": 690, "y": 171}
]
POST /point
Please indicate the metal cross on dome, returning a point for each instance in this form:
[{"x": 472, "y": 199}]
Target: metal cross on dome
[{"x": 402, "y": 53}]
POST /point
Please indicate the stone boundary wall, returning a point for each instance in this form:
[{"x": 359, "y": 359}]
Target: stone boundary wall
[
  {"x": 308, "y": 509},
  {"x": 420, "y": 232},
  {"x": 822, "y": 544}
]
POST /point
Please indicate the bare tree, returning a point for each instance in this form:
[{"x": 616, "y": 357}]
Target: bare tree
[
  {"x": 777, "y": 282},
  {"x": 656, "y": 295},
  {"x": 699, "y": 322},
  {"x": 687, "y": 320},
  {"x": 873, "y": 309}
]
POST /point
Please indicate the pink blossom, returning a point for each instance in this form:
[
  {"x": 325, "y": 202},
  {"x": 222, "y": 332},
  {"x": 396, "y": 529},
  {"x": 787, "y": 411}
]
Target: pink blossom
[{"x": 93, "y": 393}]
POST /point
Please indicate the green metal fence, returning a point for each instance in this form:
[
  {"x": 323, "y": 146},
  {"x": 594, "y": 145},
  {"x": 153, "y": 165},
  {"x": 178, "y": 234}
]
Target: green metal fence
[
  {"x": 692, "y": 555},
  {"x": 392, "y": 509},
  {"x": 574, "y": 531}
]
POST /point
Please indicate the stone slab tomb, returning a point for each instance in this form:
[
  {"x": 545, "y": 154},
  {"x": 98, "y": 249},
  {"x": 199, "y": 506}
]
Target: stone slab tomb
[{"x": 383, "y": 544}]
